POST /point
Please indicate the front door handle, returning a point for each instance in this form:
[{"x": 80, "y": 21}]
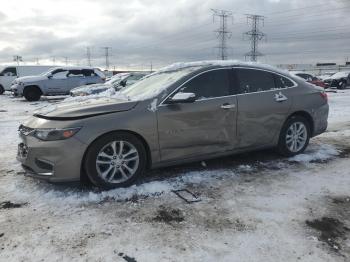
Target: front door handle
[
  {"x": 280, "y": 97},
  {"x": 228, "y": 106}
]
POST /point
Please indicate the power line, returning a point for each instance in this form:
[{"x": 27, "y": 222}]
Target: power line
[
  {"x": 223, "y": 33},
  {"x": 255, "y": 35}
]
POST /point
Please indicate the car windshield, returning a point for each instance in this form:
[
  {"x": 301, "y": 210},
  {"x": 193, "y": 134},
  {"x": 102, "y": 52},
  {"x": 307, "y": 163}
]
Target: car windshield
[{"x": 154, "y": 84}]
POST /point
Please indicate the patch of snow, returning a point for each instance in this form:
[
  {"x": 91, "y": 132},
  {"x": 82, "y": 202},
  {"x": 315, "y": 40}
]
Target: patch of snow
[
  {"x": 322, "y": 153},
  {"x": 153, "y": 106}
]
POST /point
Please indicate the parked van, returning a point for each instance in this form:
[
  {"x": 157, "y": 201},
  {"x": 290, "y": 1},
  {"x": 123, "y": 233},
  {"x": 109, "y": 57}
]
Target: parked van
[{"x": 9, "y": 73}]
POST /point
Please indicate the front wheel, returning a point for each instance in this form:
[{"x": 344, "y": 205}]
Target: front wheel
[
  {"x": 32, "y": 93},
  {"x": 115, "y": 160},
  {"x": 294, "y": 136}
]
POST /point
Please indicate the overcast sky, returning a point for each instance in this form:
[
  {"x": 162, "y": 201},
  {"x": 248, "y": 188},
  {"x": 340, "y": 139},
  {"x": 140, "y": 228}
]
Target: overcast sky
[{"x": 162, "y": 32}]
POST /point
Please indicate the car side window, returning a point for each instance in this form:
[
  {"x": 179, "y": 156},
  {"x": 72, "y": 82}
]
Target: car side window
[
  {"x": 60, "y": 74},
  {"x": 282, "y": 82},
  {"x": 209, "y": 84},
  {"x": 75, "y": 73},
  {"x": 9, "y": 71},
  {"x": 251, "y": 80},
  {"x": 88, "y": 72}
]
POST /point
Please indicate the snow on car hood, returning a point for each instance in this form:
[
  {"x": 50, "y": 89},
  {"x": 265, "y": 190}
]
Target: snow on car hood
[
  {"x": 89, "y": 89},
  {"x": 89, "y": 108},
  {"x": 26, "y": 79}
]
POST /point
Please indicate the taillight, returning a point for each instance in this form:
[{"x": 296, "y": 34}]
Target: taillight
[{"x": 324, "y": 96}]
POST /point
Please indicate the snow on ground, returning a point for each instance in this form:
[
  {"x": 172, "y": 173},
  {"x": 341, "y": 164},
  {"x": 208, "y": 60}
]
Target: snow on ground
[{"x": 253, "y": 207}]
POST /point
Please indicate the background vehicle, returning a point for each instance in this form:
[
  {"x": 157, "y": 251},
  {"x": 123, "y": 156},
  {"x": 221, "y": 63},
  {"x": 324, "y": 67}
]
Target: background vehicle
[
  {"x": 310, "y": 78},
  {"x": 9, "y": 73},
  {"x": 186, "y": 112},
  {"x": 117, "y": 82},
  {"x": 339, "y": 80},
  {"x": 57, "y": 81}
]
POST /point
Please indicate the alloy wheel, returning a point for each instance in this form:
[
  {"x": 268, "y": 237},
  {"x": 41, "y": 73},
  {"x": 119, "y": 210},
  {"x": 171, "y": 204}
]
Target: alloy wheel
[
  {"x": 296, "y": 137},
  {"x": 117, "y": 162}
]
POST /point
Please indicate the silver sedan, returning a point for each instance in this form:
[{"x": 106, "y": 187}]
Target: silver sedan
[{"x": 183, "y": 113}]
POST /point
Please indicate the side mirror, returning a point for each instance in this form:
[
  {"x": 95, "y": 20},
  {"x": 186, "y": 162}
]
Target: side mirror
[
  {"x": 49, "y": 76},
  {"x": 182, "y": 98}
]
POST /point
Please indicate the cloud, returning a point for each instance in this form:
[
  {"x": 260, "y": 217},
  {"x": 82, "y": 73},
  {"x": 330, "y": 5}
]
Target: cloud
[{"x": 141, "y": 31}]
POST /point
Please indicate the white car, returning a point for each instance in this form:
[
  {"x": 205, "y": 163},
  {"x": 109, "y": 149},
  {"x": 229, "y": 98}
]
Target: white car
[
  {"x": 57, "y": 81},
  {"x": 9, "y": 73}
]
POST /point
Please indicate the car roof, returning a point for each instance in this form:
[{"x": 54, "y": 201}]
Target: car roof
[
  {"x": 204, "y": 65},
  {"x": 74, "y": 68}
]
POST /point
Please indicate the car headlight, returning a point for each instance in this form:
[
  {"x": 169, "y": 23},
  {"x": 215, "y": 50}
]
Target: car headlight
[{"x": 55, "y": 134}]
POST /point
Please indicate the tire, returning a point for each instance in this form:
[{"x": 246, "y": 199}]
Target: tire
[
  {"x": 32, "y": 93},
  {"x": 342, "y": 85},
  {"x": 111, "y": 172},
  {"x": 285, "y": 143},
  {"x": 2, "y": 90}
]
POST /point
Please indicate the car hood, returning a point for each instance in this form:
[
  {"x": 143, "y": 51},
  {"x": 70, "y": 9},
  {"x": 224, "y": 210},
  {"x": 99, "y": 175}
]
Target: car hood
[
  {"x": 90, "y": 89},
  {"x": 84, "y": 109},
  {"x": 25, "y": 79}
]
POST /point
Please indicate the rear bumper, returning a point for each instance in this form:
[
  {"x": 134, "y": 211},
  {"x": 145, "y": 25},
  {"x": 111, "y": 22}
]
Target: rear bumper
[{"x": 320, "y": 117}]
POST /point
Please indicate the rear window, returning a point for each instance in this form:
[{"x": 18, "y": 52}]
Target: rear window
[
  {"x": 251, "y": 80},
  {"x": 283, "y": 82}
]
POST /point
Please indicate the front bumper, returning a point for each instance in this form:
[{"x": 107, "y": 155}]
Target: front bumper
[
  {"x": 17, "y": 89},
  {"x": 54, "y": 161}
]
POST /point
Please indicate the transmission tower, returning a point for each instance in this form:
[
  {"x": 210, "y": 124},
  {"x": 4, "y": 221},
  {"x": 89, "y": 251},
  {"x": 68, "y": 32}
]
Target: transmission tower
[
  {"x": 107, "y": 54},
  {"x": 223, "y": 34},
  {"x": 17, "y": 58},
  {"x": 255, "y": 35},
  {"x": 88, "y": 56}
]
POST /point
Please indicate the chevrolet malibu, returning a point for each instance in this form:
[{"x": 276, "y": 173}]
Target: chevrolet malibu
[{"x": 183, "y": 113}]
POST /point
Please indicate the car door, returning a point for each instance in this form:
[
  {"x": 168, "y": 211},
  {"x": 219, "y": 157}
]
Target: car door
[
  {"x": 205, "y": 126},
  {"x": 57, "y": 81},
  {"x": 74, "y": 79},
  {"x": 263, "y": 105}
]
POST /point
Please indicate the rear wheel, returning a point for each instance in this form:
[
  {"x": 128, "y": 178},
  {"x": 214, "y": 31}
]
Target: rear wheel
[
  {"x": 2, "y": 89},
  {"x": 115, "y": 160},
  {"x": 32, "y": 93},
  {"x": 295, "y": 136}
]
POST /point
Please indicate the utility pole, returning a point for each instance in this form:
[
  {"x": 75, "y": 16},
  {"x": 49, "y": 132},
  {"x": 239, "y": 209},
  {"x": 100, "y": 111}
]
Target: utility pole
[
  {"x": 151, "y": 66},
  {"x": 254, "y": 35},
  {"x": 107, "y": 54},
  {"x": 88, "y": 56},
  {"x": 53, "y": 60},
  {"x": 17, "y": 59},
  {"x": 223, "y": 34},
  {"x": 65, "y": 60},
  {"x": 37, "y": 61}
]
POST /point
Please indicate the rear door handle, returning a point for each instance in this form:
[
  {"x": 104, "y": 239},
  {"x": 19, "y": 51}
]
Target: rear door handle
[
  {"x": 280, "y": 97},
  {"x": 228, "y": 106}
]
